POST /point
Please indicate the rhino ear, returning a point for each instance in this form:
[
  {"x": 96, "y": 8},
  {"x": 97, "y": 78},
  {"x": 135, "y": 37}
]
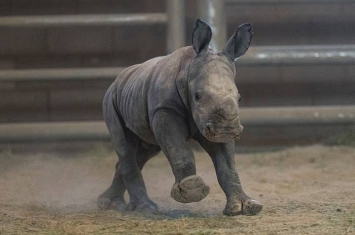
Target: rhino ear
[
  {"x": 239, "y": 43},
  {"x": 201, "y": 36}
]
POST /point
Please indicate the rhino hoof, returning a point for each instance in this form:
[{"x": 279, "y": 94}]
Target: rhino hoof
[
  {"x": 248, "y": 207},
  {"x": 252, "y": 207},
  {"x": 190, "y": 189},
  {"x": 144, "y": 208},
  {"x": 118, "y": 204},
  {"x": 103, "y": 203}
]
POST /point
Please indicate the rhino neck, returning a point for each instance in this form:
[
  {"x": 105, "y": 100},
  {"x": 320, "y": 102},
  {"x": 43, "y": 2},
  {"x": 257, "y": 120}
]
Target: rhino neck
[{"x": 182, "y": 80}]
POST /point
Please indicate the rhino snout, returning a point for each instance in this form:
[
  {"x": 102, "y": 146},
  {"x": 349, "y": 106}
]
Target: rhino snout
[{"x": 220, "y": 134}]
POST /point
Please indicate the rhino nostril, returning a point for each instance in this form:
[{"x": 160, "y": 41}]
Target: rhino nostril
[{"x": 209, "y": 128}]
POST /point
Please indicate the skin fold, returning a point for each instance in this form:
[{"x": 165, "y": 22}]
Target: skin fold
[{"x": 160, "y": 104}]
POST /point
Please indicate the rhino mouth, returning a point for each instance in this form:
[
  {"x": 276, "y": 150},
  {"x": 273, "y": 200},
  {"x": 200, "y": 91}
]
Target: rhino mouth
[{"x": 222, "y": 134}]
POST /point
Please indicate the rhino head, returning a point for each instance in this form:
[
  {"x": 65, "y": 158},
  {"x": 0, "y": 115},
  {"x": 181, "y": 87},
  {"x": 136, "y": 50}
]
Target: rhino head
[{"x": 213, "y": 94}]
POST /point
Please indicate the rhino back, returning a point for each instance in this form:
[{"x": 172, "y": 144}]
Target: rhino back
[{"x": 145, "y": 88}]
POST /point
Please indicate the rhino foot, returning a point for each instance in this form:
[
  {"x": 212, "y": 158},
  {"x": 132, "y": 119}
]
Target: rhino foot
[
  {"x": 190, "y": 189},
  {"x": 147, "y": 207},
  {"x": 118, "y": 204},
  {"x": 247, "y": 207},
  {"x": 104, "y": 202}
]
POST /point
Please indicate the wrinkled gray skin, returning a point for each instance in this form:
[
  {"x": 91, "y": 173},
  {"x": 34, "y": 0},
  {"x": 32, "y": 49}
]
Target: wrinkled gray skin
[{"x": 160, "y": 104}]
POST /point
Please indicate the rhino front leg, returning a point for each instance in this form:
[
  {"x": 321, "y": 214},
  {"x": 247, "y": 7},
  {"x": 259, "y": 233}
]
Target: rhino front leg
[
  {"x": 171, "y": 133},
  {"x": 238, "y": 203}
]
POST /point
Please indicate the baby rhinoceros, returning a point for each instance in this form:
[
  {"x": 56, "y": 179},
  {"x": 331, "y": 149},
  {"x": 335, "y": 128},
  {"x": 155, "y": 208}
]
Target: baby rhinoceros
[{"x": 163, "y": 102}]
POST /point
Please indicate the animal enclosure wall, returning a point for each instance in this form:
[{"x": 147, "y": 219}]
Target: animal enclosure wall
[{"x": 276, "y": 23}]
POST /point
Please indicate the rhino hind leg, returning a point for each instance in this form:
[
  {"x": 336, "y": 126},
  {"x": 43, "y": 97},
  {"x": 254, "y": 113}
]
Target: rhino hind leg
[
  {"x": 145, "y": 152},
  {"x": 190, "y": 189},
  {"x": 113, "y": 197},
  {"x": 133, "y": 154}
]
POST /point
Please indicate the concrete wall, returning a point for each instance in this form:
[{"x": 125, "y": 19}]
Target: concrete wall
[{"x": 100, "y": 46}]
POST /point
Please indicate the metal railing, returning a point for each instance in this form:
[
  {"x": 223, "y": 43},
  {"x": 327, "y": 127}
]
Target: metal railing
[
  {"x": 97, "y": 131},
  {"x": 174, "y": 19},
  {"x": 299, "y": 55},
  {"x": 32, "y": 75},
  {"x": 284, "y": 1},
  {"x": 84, "y": 20},
  {"x": 275, "y": 55}
]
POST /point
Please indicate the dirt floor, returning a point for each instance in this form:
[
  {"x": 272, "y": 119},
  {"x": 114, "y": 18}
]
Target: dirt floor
[{"x": 305, "y": 190}]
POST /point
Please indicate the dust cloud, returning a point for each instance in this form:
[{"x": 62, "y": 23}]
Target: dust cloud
[
  {"x": 58, "y": 180},
  {"x": 69, "y": 178}
]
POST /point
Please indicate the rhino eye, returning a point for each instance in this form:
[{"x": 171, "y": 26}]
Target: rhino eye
[
  {"x": 197, "y": 96},
  {"x": 239, "y": 97}
]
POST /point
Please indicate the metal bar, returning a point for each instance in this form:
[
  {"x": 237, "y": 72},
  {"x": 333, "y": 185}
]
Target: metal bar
[
  {"x": 280, "y": 116},
  {"x": 83, "y": 20},
  {"x": 298, "y": 115},
  {"x": 212, "y": 11},
  {"x": 176, "y": 25},
  {"x": 299, "y": 55},
  {"x": 59, "y": 74},
  {"x": 235, "y": 2},
  {"x": 57, "y": 131}
]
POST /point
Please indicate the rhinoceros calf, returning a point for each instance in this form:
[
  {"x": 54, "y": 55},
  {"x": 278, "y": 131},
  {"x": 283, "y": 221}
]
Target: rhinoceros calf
[{"x": 163, "y": 102}]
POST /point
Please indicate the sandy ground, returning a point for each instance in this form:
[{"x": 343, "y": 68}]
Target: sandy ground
[{"x": 305, "y": 190}]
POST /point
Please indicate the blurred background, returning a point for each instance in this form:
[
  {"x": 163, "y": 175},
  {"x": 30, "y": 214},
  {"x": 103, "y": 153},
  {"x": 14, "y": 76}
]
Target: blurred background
[{"x": 58, "y": 57}]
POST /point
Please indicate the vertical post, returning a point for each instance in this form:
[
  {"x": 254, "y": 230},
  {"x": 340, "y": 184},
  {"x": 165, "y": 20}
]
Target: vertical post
[
  {"x": 212, "y": 11},
  {"x": 176, "y": 24}
]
